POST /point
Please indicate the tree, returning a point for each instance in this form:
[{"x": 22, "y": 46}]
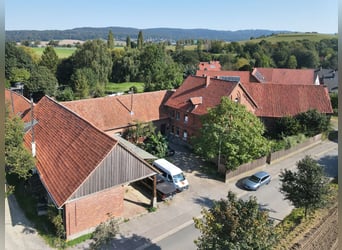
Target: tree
[
  {"x": 158, "y": 70},
  {"x": 83, "y": 80},
  {"x": 110, "y": 40},
  {"x": 128, "y": 42},
  {"x": 16, "y": 57},
  {"x": 307, "y": 187},
  {"x": 232, "y": 132},
  {"x": 49, "y": 59},
  {"x": 235, "y": 224},
  {"x": 42, "y": 82},
  {"x": 292, "y": 62},
  {"x": 140, "y": 40},
  {"x": 155, "y": 144},
  {"x": 313, "y": 122},
  {"x": 18, "y": 159},
  {"x": 19, "y": 75},
  {"x": 95, "y": 56}
]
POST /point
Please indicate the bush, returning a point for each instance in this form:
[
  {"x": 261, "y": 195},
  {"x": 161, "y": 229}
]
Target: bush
[{"x": 104, "y": 233}]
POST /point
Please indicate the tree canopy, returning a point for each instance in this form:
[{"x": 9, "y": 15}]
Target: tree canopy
[
  {"x": 95, "y": 56},
  {"x": 49, "y": 59},
  {"x": 18, "y": 159},
  {"x": 307, "y": 187},
  {"x": 233, "y": 132},
  {"x": 235, "y": 224}
]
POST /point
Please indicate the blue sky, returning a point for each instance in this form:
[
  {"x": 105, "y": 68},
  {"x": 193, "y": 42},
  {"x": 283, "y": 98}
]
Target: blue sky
[{"x": 294, "y": 15}]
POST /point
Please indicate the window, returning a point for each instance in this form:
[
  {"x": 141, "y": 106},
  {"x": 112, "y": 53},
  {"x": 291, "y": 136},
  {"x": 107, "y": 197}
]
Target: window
[
  {"x": 177, "y": 115},
  {"x": 177, "y": 131},
  {"x": 172, "y": 114},
  {"x": 185, "y": 135},
  {"x": 186, "y": 118},
  {"x": 172, "y": 129}
]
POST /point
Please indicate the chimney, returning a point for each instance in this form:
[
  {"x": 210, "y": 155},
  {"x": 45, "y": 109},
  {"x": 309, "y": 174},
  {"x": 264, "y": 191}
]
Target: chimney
[{"x": 207, "y": 81}]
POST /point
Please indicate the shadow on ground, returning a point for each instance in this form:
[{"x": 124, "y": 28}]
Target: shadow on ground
[
  {"x": 204, "y": 201},
  {"x": 239, "y": 183},
  {"x": 333, "y": 136},
  {"x": 330, "y": 165}
]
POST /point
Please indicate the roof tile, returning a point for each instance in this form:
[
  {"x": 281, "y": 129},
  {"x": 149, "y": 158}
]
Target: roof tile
[
  {"x": 68, "y": 148},
  {"x": 112, "y": 112}
]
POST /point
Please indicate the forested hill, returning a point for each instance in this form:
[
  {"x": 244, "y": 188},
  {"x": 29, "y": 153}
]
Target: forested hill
[{"x": 121, "y": 33}]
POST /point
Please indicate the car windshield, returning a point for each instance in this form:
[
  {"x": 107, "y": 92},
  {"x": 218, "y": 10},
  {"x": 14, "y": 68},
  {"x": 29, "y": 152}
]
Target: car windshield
[
  {"x": 254, "y": 179},
  {"x": 179, "y": 177}
]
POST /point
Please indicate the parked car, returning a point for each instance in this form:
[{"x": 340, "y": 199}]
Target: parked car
[
  {"x": 165, "y": 189},
  {"x": 257, "y": 180}
]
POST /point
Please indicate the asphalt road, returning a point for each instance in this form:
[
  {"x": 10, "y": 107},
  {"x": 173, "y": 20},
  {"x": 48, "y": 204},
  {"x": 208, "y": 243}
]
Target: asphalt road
[{"x": 268, "y": 196}]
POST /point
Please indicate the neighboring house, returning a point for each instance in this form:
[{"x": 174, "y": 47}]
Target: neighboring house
[
  {"x": 115, "y": 114},
  {"x": 210, "y": 66},
  {"x": 82, "y": 169},
  {"x": 329, "y": 78},
  {"x": 279, "y": 100},
  {"x": 17, "y": 104},
  {"x": 241, "y": 76},
  {"x": 267, "y": 101},
  {"x": 285, "y": 76},
  {"x": 193, "y": 99}
]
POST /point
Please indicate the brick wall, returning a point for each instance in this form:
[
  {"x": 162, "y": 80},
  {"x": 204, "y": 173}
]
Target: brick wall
[{"x": 86, "y": 213}]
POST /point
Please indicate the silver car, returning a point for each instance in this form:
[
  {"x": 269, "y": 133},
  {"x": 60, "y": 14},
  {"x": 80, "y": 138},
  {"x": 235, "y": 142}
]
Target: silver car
[{"x": 257, "y": 180}]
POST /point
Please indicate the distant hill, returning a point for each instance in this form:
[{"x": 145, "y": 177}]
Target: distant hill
[{"x": 121, "y": 33}]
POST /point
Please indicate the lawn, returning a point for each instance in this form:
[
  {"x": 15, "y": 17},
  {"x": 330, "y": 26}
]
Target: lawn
[
  {"x": 124, "y": 87},
  {"x": 62, "y": 52}
]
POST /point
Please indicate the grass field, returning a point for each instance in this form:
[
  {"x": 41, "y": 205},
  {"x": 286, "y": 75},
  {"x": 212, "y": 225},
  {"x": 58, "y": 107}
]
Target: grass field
[
  {"x": 315, "y": 37},
  {"x": 61, "y": 52},
  {"x": 112, "y": 88}
]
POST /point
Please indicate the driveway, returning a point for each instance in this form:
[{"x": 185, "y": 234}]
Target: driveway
[{"x": 19, "y": 231}]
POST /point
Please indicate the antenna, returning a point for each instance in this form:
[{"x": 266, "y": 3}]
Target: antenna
[
  {"x": 33, "y": 143},
  {"x": 131, "y": 111}
]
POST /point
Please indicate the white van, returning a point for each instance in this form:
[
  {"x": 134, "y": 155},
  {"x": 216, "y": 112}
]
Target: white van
[{"x": 172, "y": 174}]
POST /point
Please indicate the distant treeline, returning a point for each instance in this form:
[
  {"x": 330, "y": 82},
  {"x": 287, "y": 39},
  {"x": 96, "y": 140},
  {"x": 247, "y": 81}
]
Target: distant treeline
[{"x": 121, "y": 33}]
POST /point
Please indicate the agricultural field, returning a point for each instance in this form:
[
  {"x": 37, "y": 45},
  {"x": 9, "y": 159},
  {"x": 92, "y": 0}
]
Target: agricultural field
[
  {"x": 314, "y": 37},
  {"x": 62, "y": 52}
]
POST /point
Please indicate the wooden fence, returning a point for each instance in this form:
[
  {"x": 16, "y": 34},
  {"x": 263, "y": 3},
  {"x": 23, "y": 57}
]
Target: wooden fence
[{"x": 269, "y": 159}]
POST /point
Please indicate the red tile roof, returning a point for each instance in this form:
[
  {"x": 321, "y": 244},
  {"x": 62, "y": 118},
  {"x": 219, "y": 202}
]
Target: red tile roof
[
  {"x": 245, "y": 76},
  {"x": 112, "y": 112},
  {"x": 210, "y": 66},
  {"x": 284, "y": 76},
  {"x": 21, "y": 105},
  {"x": 68, "y": 148},
  {"x": 278, "y": 100},
  {"x": 194, "y": 89}
]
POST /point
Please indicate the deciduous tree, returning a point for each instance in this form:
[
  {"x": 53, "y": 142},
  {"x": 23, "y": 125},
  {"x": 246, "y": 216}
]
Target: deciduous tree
[
  {"x": 94, "y": 55},
  {"x": 235, "y": 224},
  {"x": 18, "y": 159},
  {"x": 307, "y": 187},
  {"x": 233, "y": 132}
]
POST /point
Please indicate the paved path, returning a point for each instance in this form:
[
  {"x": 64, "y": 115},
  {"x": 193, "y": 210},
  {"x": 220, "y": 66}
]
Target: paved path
[{"x": 19, "y": 231}]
